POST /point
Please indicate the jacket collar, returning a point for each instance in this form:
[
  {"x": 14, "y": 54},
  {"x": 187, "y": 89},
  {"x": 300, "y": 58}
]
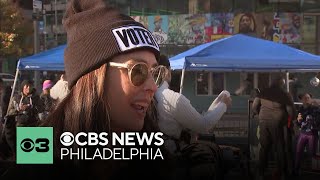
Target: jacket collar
[{"x": 164, "y": 85}]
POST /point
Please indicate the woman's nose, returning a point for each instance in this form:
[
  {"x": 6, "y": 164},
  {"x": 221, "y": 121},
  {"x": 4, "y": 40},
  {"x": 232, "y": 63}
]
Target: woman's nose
[{"x": 150, "y": 85}]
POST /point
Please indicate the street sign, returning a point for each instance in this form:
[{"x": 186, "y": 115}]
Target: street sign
[{"x": 37, "y": 5}]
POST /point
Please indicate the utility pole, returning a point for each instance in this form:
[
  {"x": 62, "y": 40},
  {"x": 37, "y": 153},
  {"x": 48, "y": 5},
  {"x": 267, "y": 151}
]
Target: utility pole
[
  {"x": 56, "y": 21},
  {"x": 37, "y": 11}
]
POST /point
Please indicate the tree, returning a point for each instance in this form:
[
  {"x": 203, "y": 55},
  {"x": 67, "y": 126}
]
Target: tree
[{"x": 15, "y": 31}]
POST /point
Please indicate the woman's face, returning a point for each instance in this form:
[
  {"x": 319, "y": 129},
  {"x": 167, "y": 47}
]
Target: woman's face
[
  {"x": 129, "y": 103},
  {"x": 306, "y": 99},
  {"x": 245, "y": 23},
  {"x": 27, "y": 89}
]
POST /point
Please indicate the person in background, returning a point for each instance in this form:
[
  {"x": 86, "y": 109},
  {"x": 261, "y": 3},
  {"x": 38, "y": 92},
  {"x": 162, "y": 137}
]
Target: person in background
[
  {"x": 176, "y": 112},
  {"x": 26, "y": 106},
  {"x": 5, "y": 97},
  {"x": 184, "y": 127},
  {"x": 5, "y": 93},
  {"x": 294, "y": 86},
  {"x": 46, "y": 99},
  {"x": 246, "y": 87},
  {"x": 274, "y": 106},
  {"x": 60, "y": 90},
  {"x": 23, "y": 111},
  {"x": 308, "y": 120}
]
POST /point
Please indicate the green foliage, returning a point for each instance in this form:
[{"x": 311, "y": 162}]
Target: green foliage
[{"x": 14, "y": 31}]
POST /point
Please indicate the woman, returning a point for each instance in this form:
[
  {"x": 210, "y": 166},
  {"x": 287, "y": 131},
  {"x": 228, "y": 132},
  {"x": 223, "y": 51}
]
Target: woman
[
  {"x": 274, "y": 106},
  {"x": 112, "y": 73},
  {"x": 203, "y": 160},
  {"x": 46, "y": 99},
  {"x": 247, "y": 24},
  {"x": 308, "y": 121},
  {"x": 177, "y": 114}
]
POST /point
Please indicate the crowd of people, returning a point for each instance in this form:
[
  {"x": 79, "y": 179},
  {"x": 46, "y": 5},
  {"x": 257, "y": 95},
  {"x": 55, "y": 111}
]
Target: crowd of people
[
  {"x": 286, "y": 128},
  {"x": 116, "y": 81},
  {"x": 27, "y": 108}
]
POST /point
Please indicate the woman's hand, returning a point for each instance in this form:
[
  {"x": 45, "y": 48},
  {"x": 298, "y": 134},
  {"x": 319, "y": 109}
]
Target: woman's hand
[{"x": 299, "y": 118}]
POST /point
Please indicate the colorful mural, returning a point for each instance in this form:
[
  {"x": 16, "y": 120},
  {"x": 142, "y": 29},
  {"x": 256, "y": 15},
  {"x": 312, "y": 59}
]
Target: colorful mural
[
  {"x": 201, "y": 28},
  {"x": 142, "y": 19},
  {"x": 218, "y": 25},
  {"x": 186, "y": 29},
  {"x": 268, "y": 27},
  {"x": 245, "y": 23},
  {"x": 290, "y": 24},
  {"x": 158, "y": 25}
]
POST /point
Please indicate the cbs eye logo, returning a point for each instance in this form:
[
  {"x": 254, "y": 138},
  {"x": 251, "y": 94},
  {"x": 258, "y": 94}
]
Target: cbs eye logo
[
  {"x": 40, "y": 145},
  {"x": 67, "y": 138}
]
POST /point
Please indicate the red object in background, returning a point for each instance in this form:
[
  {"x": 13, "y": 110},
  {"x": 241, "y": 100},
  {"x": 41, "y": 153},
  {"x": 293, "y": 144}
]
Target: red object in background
[
  {"x": 208, "y": 33},
  {"x": 289, "y": 121}
]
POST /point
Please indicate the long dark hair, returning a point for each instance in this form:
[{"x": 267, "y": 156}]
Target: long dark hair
[
  {"x": 249, "y": 15},
  {"x": 85, "y": 109}
]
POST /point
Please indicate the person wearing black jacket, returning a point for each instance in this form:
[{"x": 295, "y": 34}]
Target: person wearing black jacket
[
  {"x": 26, "y": 105},
  {"x": 274, "y": 107},
  {"x": 23, "y": 111},
  {"x": 5, "y": 92}
]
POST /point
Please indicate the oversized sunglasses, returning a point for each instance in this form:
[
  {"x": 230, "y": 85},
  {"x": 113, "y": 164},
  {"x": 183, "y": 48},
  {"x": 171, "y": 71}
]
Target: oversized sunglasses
[{"x": 138, "y": 73}]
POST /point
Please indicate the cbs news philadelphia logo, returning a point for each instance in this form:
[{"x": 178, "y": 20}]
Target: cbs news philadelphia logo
[{"x": 34, "y": 145}]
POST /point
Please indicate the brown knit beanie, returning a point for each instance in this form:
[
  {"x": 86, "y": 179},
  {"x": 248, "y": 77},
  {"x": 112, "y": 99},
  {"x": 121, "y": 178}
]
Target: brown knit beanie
[{"x": 96, "y": 33}]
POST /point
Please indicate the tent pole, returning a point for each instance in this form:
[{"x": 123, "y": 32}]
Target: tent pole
[
  {"x": 12, "y": 92},
  {"x": 287, "y": 81},
  {"x": 182, "y": 78}
]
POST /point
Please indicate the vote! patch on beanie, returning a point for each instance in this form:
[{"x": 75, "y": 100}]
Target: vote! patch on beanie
[{"x": 130, "y": 37}]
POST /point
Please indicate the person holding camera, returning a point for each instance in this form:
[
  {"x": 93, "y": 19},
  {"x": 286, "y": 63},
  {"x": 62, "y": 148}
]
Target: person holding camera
[
  {"x": 26, "y": 105},
  {"x": 22, "y": 111},
  {"x": 308, "y": 121}
]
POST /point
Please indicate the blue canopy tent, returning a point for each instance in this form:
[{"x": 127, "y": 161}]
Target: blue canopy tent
[
  {"x": 245, "y": 53},
  {"x": 50, "y": 60}
]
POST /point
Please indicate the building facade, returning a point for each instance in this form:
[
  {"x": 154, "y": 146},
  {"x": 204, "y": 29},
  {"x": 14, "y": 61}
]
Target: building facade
[{"x": 181, "y": 24}]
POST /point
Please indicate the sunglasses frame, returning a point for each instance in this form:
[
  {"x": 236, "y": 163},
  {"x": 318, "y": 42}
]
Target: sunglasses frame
[{"x": 129, "y": 67}]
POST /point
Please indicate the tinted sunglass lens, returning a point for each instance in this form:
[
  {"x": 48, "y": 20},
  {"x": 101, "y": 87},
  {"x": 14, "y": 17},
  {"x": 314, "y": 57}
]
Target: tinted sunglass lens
[
  {"x": 158, "y": 75},
  {"x": 139, "y": 74}
]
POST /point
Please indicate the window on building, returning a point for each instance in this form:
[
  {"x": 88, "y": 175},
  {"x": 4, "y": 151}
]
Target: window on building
[
  {"x": 244, "y": 5},
  {"x": 49, "y": 19},
  {"x": 246, "y": 84},
  {"x": 156, "y": 7},
  {"x": 209, "y": 83},
  {"x": 202, "y": 79},
  {"x": 62, "y": 39},
  {"x": 175, "y": 81},
  {"x": 221, "y": 6},
  {"x": 263, "y": 80},
  {"x": 217, "y": 83},
  {"x": 309, "y": 29},
  {"x": 310, "y": 6},
  {"x": 318, "y": 35},
  {"x": 177, "y": 7},
  {"x": 265, "y": 6},
  {"x": 288, "y": 5},
  {"x": 172, "y": 49},
  {"x": 309, "y": 34},
  {"x": 203, "y": 6}
]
